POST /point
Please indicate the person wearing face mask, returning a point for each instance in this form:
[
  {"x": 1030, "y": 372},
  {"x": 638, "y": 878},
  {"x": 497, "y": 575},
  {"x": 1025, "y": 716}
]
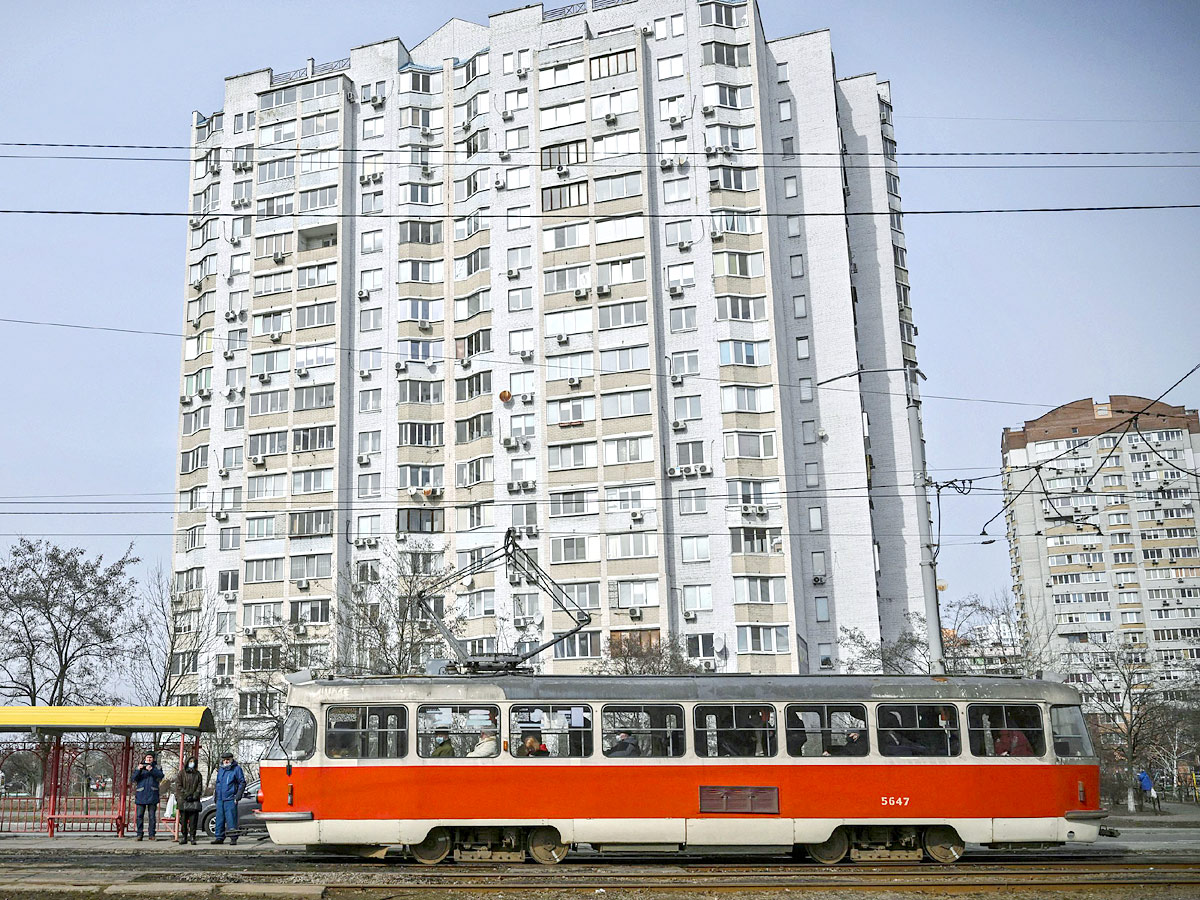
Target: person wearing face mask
[
  {"x": 191, "y": 789},
  {"x": 228, "y": 788},
  {"x": 441, "y": 744},
  {"x": 145, "y": 781}
]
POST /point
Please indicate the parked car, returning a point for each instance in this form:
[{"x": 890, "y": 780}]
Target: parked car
[{"x": 248, "y": 806}]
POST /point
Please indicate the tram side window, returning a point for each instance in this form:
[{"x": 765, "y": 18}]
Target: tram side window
[
  {"x": 366, "y": 732},
  {"x": 445, "y": 732},
  {"x": 1070, "y": 732},
  {"x": 741, "y": 730},
  {"x": 916, "y": 729},
  {"x": 642, "y": 731},
  {"x": 1006, "y": 729},
  {"x": 550, "y": 731},
  {"x": 826, "y": 730}
]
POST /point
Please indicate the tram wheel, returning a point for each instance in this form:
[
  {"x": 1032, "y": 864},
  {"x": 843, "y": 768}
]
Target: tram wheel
[
  {"x": 942, "y": 844},
  {"x": 434, "y": 848},
  {"x": 545, "y": 846},
  {"x": 832, "y": 850}
]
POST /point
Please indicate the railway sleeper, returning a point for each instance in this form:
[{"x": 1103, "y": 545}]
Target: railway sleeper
[{"x": 874, "y": 843}]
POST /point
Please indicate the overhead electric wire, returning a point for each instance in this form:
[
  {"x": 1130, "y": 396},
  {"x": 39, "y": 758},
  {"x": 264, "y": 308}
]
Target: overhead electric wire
[
  {"x": 1174, "y": 464},
  {"x": 417, "y": 536},
  {"x": 574, "y": 217},
  {"x": 752, "y": 152},
  {"x": 1056, "y": 121},
  {"x": 17, "y": 498},
  {"x": 267, "y": 343},
  {"x": 1037, "y": 467},
  {"x": 352, "y": 155}
]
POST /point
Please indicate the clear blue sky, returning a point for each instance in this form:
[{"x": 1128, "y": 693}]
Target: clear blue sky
[{"x": 1037, "y": 309}]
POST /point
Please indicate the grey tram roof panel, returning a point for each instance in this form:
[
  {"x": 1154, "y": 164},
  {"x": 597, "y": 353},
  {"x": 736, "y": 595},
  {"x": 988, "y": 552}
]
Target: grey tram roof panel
[{"x": 699, "y": 688}]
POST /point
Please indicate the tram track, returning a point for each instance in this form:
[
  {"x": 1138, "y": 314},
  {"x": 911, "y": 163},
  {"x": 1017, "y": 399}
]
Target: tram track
[
  {"x": 337, "y": 878},
  {"x": 875, "y": 878}
]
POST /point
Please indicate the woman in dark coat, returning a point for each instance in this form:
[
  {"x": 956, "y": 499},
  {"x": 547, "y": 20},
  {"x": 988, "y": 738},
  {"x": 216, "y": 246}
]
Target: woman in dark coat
[{"x": 191, "y": 789}]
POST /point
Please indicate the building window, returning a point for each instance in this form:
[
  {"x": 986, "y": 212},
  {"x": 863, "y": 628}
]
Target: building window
[
  {"x": 695, "y": 548},
  {"x": 670, "y": 67}
]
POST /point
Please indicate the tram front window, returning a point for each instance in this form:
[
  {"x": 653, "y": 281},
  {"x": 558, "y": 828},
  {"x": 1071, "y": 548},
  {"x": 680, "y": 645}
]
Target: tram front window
[
  {"x": 297, "y": 736},
  {"x": 1070, "y": 732}
]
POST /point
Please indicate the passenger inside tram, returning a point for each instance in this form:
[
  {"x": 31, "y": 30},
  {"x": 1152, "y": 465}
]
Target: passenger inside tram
[{"x": 1005, "y": 729}]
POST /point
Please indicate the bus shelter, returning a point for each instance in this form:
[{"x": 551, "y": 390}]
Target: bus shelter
[{"x": 67, "y": 768}]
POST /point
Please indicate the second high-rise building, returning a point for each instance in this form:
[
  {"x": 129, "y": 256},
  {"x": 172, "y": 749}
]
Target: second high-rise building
[{"x": 630, "y": 279}]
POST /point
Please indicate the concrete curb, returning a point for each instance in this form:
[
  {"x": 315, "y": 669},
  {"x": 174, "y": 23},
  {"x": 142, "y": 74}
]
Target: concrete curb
[{"x": 155, "y": 889}]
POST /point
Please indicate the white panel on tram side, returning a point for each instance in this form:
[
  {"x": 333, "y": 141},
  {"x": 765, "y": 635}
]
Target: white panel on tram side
[
  {"x": 362, "y": 831},
  {"x": 631, "y": 831},
  {"x": 773, "y": 832},
  {"x": 294, "y": 832},
  {"x": 1026, "y": 829}
]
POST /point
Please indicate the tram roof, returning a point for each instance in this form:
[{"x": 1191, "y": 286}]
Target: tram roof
[
  {"x": 699, "y": 688},
  {"x": 106, "y": 719}
]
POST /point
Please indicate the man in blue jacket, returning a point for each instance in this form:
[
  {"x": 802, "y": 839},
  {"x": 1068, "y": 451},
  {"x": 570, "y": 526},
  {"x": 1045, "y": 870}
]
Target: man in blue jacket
[
  {"x": 145, "y": 780},
  {"x": 228, "y": 788}
]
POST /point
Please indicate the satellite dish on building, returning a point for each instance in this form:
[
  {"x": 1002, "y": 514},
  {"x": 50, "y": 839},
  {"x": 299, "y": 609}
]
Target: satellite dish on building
[{"x": 719, "y": 643}]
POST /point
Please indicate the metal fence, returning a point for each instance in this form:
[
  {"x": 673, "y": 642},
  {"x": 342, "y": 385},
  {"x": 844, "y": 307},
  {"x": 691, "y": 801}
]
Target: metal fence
[{"x": 54, "y": 786}]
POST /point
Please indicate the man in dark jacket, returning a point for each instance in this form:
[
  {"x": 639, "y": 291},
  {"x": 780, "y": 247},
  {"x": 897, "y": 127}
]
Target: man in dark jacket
[
  {"x": 228, "y": 788},
  {"x": 191, "y": 789},
  {"x": 145, "y": 780}
]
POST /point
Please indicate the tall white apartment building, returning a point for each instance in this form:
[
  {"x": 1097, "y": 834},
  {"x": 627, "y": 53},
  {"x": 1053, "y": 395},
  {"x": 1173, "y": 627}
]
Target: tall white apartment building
[
  {"x": 1102, "y": 531},
  {"x": 580, "y": 272}
]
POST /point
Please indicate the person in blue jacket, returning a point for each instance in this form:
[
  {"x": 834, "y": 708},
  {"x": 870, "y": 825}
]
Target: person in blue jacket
[
  {"x": 1149, "y": 797},
  {"x": 228, "y": 788},
  {"x": 145, "y": 780}
]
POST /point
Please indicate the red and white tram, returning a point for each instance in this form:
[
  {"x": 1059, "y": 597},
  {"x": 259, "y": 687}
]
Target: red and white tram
[{"x": 495, "y": 767}]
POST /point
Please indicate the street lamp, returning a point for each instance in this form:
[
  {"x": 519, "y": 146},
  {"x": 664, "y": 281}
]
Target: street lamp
[{"x": 933, "y": 616}]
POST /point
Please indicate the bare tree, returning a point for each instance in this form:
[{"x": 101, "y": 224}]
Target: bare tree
[
  {"x": 175, "y": 631},
  {"x": 979, "y": 637},
  {"x": 64, "y": 623},
  {"x": 990, "y": 636},
  {"x": 386, "y": 632},
  {"x": 234, "y": 733},
  {"x": 633, "y": 656},
  {"x": 1133, "y": 703},
  {"x": 906, "y": 655}
]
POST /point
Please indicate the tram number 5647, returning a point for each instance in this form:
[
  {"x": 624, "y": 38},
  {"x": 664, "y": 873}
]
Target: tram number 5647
[{"x": 893, "y": 801}]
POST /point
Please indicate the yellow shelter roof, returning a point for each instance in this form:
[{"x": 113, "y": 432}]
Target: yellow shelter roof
[{"x": 106, "y": 719}]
